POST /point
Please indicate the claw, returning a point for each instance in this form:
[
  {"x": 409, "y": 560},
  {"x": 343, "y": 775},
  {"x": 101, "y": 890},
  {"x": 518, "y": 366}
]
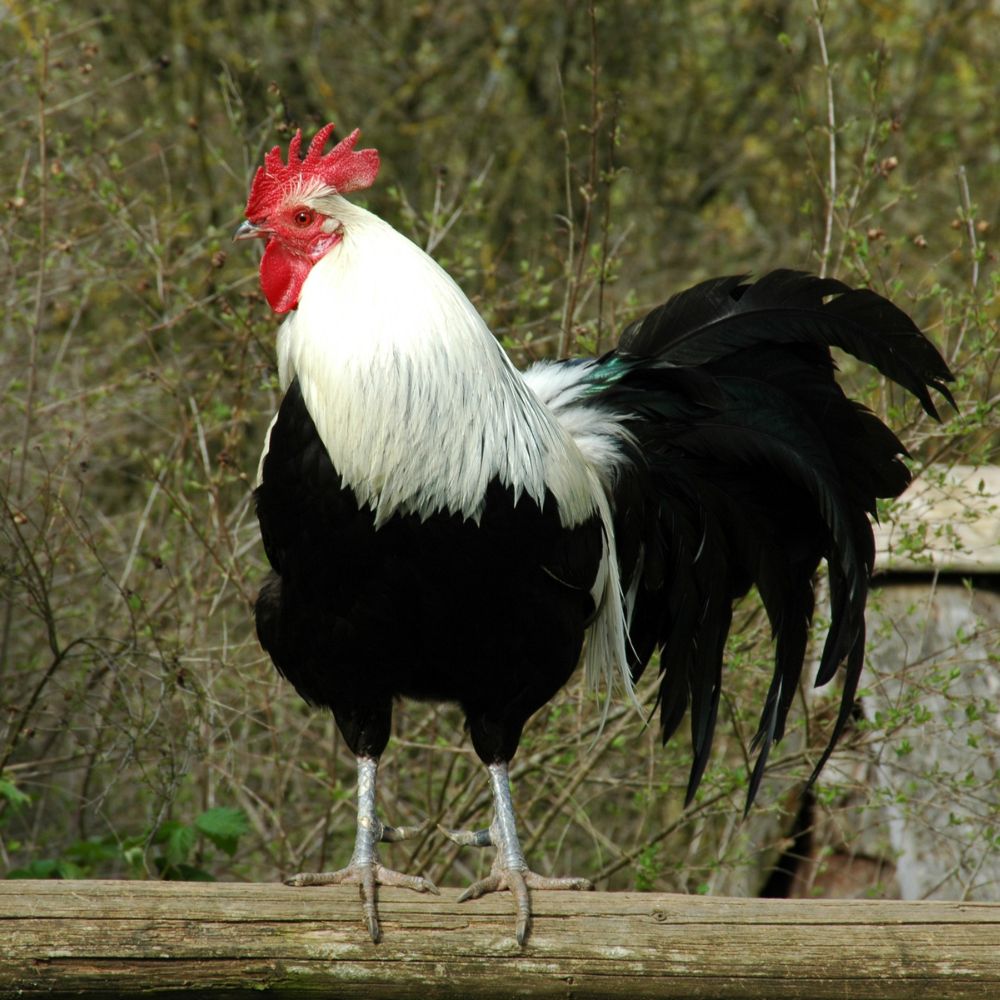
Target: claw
[{"x": 369, "y": 902}]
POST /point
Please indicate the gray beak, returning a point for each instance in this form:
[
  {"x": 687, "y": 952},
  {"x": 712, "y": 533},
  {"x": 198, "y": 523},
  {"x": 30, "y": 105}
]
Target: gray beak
[{"x": 248, "y": 231}]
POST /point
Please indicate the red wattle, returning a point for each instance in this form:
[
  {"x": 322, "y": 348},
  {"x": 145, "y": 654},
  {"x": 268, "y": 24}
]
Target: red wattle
[{"x": 281, "y": 276}]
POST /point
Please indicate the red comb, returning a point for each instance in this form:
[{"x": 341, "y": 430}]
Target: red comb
[{"x": 341, "y": 169}]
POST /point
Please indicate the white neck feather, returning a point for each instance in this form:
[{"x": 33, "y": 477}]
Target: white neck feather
[{"x": 416, "y": 402}]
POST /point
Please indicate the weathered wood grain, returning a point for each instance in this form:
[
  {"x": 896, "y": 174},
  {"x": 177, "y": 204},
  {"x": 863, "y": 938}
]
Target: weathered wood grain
[{"x": 142, "y": 938}]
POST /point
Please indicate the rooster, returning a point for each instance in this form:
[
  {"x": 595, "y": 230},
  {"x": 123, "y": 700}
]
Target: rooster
[{"x": 441, "y": 526}]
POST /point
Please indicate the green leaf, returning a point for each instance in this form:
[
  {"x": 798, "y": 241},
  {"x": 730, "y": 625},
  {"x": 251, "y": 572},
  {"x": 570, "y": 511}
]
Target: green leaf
[
  {"x": 177, "y": 840},
  {"x": 13, "y": 794},
  {"x": 93, "y": 852},
  {"x": 43, "y": 868},
  {"x": 223, "y": 827},
  {"x": 37, "y": 869},
  {"x": 182, "y": 872}
]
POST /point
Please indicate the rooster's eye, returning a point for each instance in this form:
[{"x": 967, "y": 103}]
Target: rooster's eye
[{"x": 304, "y": 217}]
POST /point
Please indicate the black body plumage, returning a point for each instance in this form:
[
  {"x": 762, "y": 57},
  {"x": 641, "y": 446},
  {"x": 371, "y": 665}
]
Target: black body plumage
[
  {"x": 745, "y": 464},
  {"x": 489, "y": 613}
]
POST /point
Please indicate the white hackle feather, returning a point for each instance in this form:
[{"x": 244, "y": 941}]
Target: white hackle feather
[{"x": 599, "y": 433}]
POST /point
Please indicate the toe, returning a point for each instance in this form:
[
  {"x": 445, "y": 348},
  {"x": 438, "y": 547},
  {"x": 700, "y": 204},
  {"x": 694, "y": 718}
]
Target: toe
[
  {"x": 394, "y": 834},
  {"x": 386, "y": 876},
  {"x": 319, "y": 878},
  {"x": 468, "y": 838},
  {"x": 491, "y": 883},
  {"x": 535, "y": 881},
  {"x": 516, "y": 883}
]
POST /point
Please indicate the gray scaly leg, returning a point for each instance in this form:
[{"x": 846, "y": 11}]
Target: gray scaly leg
[
  {"x": 510, "y": 870},
  {"x": 365, "y": 870}
]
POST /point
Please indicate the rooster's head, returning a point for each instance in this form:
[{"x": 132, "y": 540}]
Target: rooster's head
[{"x": 286, "y": 209}]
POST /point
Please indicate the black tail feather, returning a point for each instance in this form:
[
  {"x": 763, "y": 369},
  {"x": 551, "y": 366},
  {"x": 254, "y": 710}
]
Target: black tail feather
[
  {"x": 725, "y": 315},
  {"x": 752, "y": 466}
]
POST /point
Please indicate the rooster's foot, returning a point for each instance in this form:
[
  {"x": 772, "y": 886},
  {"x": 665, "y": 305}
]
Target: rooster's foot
[{"x": 366, "y": 875}]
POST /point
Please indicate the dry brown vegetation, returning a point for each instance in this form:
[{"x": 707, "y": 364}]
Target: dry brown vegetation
[{"x": 569, "y": 169}]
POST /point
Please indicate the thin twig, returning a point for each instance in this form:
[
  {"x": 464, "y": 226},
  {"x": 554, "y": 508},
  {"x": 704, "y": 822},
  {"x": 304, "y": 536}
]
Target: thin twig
[
  {"x": 969, "y": 215},
  {"x": 141, "y": 526},
  {"x": 43, "y": 221},
  {"x": 578, "y": 249},
  {"x": 36, "y": 325},
  {"x": 970, "y": 223},
  {"x": 831, "y": 125},
  {"x": 602, "y": 278},
  {"x": 568, "y": 218}
]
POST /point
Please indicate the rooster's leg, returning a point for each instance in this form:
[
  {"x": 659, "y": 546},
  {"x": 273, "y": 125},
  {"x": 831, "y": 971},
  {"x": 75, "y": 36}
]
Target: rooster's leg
[
  {"x": 509, "y": 871},
  {"x": 365, "y": 870}
]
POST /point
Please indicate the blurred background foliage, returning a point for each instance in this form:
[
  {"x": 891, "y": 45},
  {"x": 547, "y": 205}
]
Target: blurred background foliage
[{"x": 570, "y": 165}]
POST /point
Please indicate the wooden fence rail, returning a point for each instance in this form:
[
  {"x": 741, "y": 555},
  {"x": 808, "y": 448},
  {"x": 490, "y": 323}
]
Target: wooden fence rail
[{"x": 126, "y": 939}]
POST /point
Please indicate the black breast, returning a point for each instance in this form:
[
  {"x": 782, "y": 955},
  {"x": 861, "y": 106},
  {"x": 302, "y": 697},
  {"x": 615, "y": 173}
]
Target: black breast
[{"x": 486, "y": 614}]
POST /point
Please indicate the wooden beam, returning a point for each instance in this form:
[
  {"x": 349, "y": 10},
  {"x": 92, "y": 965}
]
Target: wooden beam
[{"x": 90, "y": 938}]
